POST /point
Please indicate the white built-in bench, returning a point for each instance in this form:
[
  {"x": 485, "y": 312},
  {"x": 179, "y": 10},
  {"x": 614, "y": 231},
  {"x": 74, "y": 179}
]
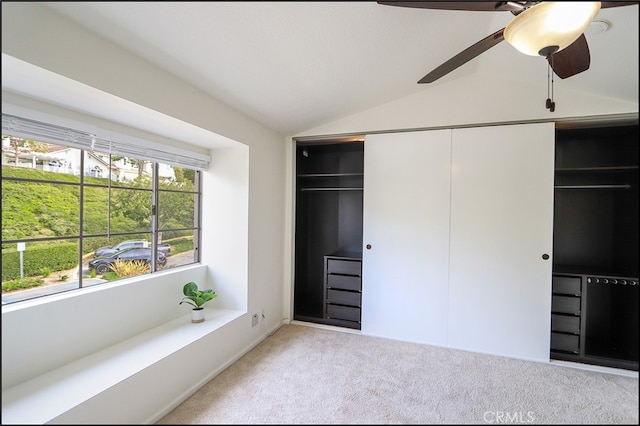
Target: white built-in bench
[
  {"x": 49, "y": 395},
  {"x": 120, "y": 352}
]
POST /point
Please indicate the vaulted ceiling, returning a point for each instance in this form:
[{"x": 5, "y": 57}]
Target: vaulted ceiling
[{"x": 296, "y": 65}]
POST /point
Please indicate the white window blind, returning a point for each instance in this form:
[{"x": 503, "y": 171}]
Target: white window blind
[{"x": 131, "y": 147}]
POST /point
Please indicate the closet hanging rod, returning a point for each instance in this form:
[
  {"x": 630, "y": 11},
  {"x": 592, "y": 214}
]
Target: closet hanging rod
[
  {"x": 331, "y": 189},
  {"x": 626, "y": 186},
  {"x": 597, "y": 169}
]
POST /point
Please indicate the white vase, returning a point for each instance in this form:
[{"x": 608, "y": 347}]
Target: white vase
[{"x": 197, "y": 315}]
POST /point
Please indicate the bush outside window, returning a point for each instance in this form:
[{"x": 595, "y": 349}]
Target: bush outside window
[{"x": 73, "y": 218}]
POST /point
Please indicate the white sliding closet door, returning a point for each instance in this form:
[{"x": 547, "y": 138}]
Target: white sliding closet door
[
  {"x": 406, "y": 222},
  {"x": 501, "y": 226}
]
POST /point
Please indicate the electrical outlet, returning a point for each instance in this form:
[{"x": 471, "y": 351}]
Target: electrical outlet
[{"x": 254, "y": 320}]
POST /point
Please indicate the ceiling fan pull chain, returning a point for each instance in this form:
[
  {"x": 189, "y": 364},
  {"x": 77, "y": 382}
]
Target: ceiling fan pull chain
[{"x": 551, "y": 105}]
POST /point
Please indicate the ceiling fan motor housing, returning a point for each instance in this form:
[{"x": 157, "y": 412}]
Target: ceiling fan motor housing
[
  {"x": 548, "y": 51},
  {"x": 543, "y": 26}
]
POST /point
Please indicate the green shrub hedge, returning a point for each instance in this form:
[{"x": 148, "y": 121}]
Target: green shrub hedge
[{"x": 56, "y": 257}]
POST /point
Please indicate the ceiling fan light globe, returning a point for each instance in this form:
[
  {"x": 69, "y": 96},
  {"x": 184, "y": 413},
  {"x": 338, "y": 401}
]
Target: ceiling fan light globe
[{"x": 549, "y": 24}]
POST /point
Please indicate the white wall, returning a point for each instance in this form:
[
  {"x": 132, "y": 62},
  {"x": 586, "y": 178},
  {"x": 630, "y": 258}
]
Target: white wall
[
  {"x": 464, "y": 102},
  {"x": 62, "y": 47},
  {"x": 244, "y": 231}
]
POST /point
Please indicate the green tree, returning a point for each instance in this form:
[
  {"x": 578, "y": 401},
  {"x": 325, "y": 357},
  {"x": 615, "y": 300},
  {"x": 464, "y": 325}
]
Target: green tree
[
  {"x": 175, "y": 209},
  {"x": 185, "y": 175},
  {"x": 134, "y": 203}
]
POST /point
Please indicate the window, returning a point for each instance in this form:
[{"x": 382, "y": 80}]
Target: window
[{"x": 79, "y": 211}]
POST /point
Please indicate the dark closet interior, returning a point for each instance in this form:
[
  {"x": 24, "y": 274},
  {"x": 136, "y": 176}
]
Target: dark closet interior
[
  {"x": 328, "y": 232},
  {"x": 595, "y": 246}
]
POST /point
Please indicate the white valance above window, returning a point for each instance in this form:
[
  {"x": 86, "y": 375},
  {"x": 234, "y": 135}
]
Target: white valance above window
[{"x": 104, "y": 141}]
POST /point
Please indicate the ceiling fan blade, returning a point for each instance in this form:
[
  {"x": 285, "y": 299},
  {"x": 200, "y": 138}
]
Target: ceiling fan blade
[
  {"x": 473, "y": 6},
  {"x": 485, "y": 6},
  {"x": 576, "y": 57},
  {"x": 605, "y": 4},
  {"x": 465, "y": 56},
  {"x": 571, "y": 60}
]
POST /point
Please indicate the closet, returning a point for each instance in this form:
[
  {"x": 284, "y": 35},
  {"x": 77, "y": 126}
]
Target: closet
[
  {"x": 458, "y": 236},
  {"x": 515, "y": 240},
  {"x": 328, "y": 232},
  {"x": 595, "y": 261}
]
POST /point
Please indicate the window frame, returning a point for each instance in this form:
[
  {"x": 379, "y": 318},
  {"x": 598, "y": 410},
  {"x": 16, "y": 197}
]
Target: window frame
[{"x": 154, "y": 230}]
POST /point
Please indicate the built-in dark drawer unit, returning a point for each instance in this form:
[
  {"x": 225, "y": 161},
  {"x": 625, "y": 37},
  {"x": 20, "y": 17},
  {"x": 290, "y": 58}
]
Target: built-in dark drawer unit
[
  {"x": 594, "y": 320},
  {"x": 347, "y": 313},
  {"x": 565, "y": 304},
  {"x": 337, "y": 297},
  {"x": 344, "y": 282},
  {"x": 565, "y": 343},
  {"x": 566, "y": 319},
  {"x": 567, "y": 285},
  {"x": 343, "y": 289},
  {"x": 344, "y": 267},
  {"x": 565, "y": 323}
]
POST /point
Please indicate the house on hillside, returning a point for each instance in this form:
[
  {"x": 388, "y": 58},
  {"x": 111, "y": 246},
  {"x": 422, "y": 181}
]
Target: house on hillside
[{"x": 63, "y": 159}]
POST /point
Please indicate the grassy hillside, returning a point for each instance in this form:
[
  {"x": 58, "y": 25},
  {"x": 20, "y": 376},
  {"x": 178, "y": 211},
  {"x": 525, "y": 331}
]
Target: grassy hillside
[
  {"x": 52, "y": 209},
  {"x": 33, "y": 209}
]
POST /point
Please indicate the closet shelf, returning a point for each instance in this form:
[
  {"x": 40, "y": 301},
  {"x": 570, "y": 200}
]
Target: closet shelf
[
  {"x": 624, "y": 186},
  {"x": 331, "y": 189}
]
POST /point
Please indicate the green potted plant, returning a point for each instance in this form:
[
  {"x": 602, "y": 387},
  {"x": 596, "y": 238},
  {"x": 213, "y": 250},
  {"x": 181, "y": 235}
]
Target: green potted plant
[{"x": 196, "y": 298}]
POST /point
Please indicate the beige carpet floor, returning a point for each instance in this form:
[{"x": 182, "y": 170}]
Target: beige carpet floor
[{"x": 309, "y": 375}]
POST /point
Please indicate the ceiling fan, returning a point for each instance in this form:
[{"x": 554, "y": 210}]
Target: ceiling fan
[{"x": 566, "y": 50}]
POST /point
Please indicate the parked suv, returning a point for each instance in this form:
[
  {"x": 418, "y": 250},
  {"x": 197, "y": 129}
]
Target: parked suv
[
  {"x": 104, "y": 251},
  {"x": 103, "y": 264}
]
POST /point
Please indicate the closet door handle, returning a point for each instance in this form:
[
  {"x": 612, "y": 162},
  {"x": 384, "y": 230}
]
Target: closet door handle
[
  {"x": 368, "y": 246},
  {"x": 545, "y": 256}
]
